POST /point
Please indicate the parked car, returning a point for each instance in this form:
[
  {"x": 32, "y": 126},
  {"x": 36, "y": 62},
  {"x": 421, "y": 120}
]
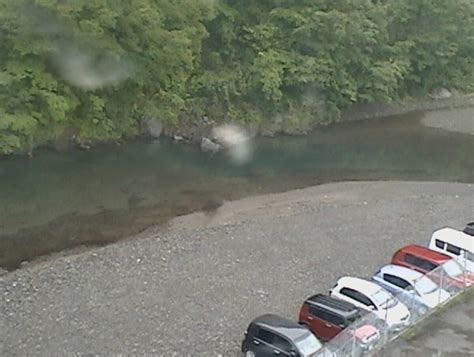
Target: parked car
[
  {"x": 456, "y": 244},
  {"x": 373, "y": 298},
  {"x": 412, "y": 288},
  {"x": 469, "y": 229},
  {"x": 273, "y": 335},
  {"x": 326, "y": 317},
  {"x": 442, "y": 269}
]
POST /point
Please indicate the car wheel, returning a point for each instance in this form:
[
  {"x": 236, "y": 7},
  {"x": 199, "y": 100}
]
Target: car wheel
[{"x": 249, "y": 354}]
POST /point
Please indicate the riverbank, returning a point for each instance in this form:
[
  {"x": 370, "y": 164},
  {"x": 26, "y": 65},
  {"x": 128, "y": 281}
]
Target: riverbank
[
  {"x": 192, "y": 288},
  {"x": 201, "y": 129}
]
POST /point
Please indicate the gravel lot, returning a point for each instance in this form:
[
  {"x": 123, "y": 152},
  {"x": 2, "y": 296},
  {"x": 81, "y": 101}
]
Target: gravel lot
[{"x": 190, "y": 289}]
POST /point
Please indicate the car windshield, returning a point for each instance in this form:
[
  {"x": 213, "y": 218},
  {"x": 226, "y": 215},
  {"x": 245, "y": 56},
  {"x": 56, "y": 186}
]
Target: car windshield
[
  {"x": 452, "y": 268},
  {"x": 307, "y": 345},
  {"x": 425, "y": 286},
  {"x": 384, "y": 299}
]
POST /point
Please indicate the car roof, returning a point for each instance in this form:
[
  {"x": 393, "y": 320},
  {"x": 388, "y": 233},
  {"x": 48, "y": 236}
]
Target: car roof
[
  {"x": 455, "y": 237},
  {"x": 340, "y": 307},
  {"x": 359, "y": 284},
  {"x": 281, "y": 325},
  {"x": 402, "y": 272},
  {"x": 426, "y": 253}
]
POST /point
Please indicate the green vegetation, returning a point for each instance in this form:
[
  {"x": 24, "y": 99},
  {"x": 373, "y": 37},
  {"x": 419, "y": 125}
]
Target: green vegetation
[{"x": 92, "y": 69}]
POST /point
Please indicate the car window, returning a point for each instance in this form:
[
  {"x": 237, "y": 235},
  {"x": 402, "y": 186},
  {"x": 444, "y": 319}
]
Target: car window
[
  {"x": 469, "y": 255},
  {"x": 356, "y": 295},
  {"x": 281, "y": 343},
  {"x": 317, "y": 312},
  {"x": 439, "y": 244},
  {"x": 348, "y": 292},
  {"x": 395, "y": 280},
  {"x": 425, "y": 286},
  {"x": 429, "y": 266},
  {"x": 265, "y": 336},
  {"x": 452, "y": 268},
  {"x": 384, "y": 299},
  {"x": 419, "y": 262},
  {"x": 453, "y": 249},
  {"x": 335, "y": 318}
]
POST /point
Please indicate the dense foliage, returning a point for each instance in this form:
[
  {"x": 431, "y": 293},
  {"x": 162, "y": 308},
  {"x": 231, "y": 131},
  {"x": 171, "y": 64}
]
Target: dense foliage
[{"x": 92, "y": 69}]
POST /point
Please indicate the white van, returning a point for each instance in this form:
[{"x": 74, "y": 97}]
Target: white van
[{"x": 456, "y": 244}]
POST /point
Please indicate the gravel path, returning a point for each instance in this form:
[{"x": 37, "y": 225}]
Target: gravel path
[{"x": 192, "y": 288}]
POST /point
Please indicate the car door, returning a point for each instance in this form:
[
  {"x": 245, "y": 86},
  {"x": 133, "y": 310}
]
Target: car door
[
  {"x": 321, "y": 324},
  {"x": 281, "y": 346},
  {"x": 401, "y": 289},
  {"x": 334, "y": 324}
]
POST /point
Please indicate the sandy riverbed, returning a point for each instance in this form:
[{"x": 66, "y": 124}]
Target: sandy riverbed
[{"x": 460, "y": 120}]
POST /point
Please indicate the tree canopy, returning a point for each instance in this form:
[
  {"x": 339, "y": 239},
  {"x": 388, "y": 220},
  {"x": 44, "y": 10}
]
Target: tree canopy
[{"x": 93, "y": 69}]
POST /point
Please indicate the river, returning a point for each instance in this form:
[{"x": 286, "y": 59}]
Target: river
[{"x": 58, "y": 201}]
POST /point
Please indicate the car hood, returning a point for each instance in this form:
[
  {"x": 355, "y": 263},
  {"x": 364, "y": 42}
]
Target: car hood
[
  {"x": 466, "y": 264},
  {"x": 365, "y": 332},
  {"x": 436, "y": 298},
  {"x": 395, "y": 315}
]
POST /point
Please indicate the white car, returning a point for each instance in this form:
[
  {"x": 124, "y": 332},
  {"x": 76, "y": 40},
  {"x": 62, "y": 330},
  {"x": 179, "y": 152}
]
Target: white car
[
  {"x": 373, "y": 298},
  {"x": 456, "y": 244},
  {"x": 412, "y": 288}
]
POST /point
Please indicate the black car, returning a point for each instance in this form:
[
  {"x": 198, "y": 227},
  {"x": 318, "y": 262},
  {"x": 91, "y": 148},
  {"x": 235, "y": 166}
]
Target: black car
[{"x": 272, "y": 335}]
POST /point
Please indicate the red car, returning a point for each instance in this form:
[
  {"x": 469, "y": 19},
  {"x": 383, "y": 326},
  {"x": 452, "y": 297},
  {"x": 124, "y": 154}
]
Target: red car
[
  {"x": 326, "y": 317},
  {"x": 425, "y": 260}
]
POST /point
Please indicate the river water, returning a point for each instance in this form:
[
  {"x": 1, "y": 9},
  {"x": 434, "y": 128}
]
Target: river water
[{"x": 80, "y": 198}]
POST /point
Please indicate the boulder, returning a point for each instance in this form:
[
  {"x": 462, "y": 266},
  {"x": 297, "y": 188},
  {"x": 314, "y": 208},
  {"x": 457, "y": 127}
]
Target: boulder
[
  {"x": 152, "y": 127},
  {"x": 443, "y": 93}
]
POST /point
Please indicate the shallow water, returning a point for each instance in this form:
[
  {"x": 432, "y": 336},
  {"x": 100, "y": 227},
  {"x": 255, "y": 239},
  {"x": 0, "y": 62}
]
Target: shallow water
[{"x": 63, "y": 200}]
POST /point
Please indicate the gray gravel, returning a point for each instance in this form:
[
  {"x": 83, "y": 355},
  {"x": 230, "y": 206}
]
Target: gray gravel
[{"x": 192, "y": 288}]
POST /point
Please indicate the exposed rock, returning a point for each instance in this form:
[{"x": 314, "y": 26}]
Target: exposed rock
[
  {"x": 443, "y": 93},
  {"x": 207, "y": 145},
  {"x": 152, "y": 127},
  {"x": 178, "y": 138}
]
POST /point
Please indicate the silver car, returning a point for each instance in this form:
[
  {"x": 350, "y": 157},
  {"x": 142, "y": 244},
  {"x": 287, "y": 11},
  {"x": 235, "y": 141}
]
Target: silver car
[{"x": 418, "y": 292}]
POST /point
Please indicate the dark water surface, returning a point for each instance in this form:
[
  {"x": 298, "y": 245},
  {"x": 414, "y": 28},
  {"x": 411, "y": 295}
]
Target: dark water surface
[{"x": 57, "y": 201}]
